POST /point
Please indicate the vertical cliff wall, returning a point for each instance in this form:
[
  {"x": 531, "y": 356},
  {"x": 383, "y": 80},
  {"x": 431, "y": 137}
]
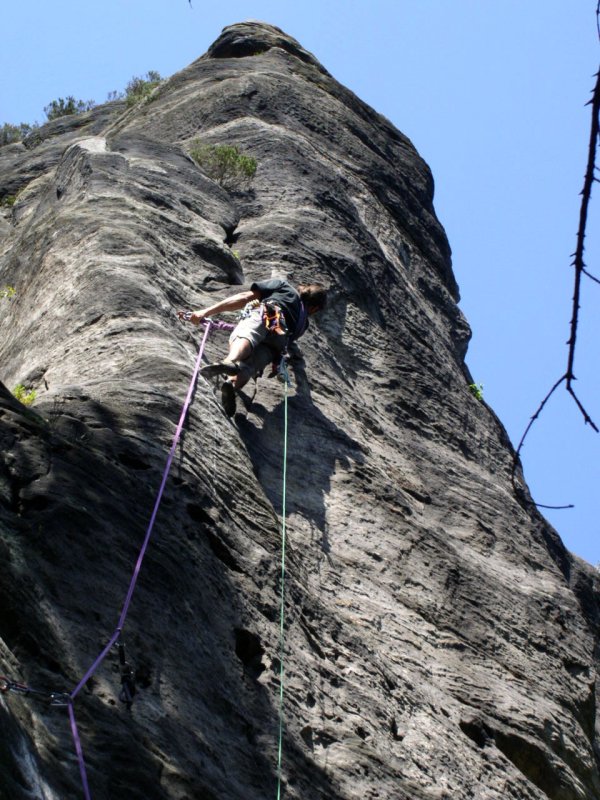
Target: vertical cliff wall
[{"x": 440, "y": 641}]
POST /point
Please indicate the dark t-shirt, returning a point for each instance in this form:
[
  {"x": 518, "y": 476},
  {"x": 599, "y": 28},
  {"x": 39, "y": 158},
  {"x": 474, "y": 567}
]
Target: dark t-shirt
[{"x": 286, "y": 297}]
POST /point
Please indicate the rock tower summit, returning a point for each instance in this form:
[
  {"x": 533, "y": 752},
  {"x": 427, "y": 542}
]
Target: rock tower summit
[{"x": 441, "y": 643}]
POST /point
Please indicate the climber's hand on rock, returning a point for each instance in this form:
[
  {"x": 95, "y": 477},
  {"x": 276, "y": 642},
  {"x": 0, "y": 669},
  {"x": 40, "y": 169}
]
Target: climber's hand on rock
[{"x": 195, "y": 317}]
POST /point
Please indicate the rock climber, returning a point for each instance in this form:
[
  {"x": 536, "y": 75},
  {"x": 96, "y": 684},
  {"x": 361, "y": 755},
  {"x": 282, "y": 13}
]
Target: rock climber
[{"x": 275, "y": 314}]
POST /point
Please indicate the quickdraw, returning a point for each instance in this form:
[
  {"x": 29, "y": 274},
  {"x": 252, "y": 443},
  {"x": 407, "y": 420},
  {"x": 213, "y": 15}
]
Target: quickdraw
[
  {"x": 128, "y": 689},
  {"x": 209, "y": 322},
  {"x": 279, "y": 369},
  {"x": 249, "y": 308},
  {"x": 54, "y": 698}
]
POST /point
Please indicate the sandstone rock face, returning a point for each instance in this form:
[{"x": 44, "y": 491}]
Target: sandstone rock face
[{"x": 440, "y": 643}]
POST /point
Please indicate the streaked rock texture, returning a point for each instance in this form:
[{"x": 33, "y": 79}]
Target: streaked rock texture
[{"x": 441, "y": 644}]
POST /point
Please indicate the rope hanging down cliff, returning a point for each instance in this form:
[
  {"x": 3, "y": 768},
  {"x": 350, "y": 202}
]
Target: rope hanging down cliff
[
  {"x": 66, "y": 699},
  {"x": 286, "y": 382},
  {"x": 128, "y": 689}
]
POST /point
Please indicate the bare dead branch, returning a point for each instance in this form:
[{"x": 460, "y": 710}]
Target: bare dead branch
[
  {"x": 517, "y": 455},
  {"x": 555, "y": 508},
  {"x": 587, "y": 419},
  {"x": 532, "y": 420},
  {"x": 579, "y": 265},
  {"x": 578, "y": 261},
  {"x": 589, "y": 275}
]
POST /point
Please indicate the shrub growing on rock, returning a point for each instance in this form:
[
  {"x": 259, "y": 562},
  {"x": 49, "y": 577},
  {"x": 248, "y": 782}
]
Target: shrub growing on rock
[
  {"x": 64, "y": 107},
  {"x": 476, "y": 389},
  {"x": 223, "y": 163},
  {"x": 9, "y": 134},
  {"x": 23, "y": 396},
  {"x": 139, "y": 89}
]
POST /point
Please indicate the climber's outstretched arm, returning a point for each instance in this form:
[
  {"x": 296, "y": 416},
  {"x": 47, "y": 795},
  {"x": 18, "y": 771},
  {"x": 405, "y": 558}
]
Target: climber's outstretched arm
[{"x": 233, "y": 303}]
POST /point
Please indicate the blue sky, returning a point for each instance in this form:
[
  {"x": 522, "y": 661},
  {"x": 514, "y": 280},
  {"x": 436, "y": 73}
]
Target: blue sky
[{"x": 493, "y": 96}]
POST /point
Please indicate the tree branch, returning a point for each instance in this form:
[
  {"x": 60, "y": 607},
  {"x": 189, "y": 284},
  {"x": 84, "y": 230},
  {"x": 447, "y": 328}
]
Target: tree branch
[
  {"x": 578, "y": 261},
  {"x": 580, "y": 270},
  {"x": 517, "y": 455},
  {"x": 590, "y": 276}
]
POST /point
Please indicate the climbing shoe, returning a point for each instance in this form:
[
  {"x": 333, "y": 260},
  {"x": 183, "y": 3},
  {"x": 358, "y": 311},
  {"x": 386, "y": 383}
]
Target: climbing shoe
[
  {"x": 220, "y": 368},
  {"x": 228, "y": 398}
]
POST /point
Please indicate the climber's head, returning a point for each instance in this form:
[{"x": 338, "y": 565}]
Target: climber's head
[{"x": 314, "y": 296}]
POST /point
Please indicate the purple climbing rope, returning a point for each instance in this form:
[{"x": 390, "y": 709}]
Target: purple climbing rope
[
  {"x": 209, "y": 325},
  {"x": 79, "y": 752}
]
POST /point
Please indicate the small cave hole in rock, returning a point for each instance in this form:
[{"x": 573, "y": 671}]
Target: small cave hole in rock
[
  {"x": 53, "y": 665},
  {"x": 143, "y": 676},
  {"x": 250, "y": 651},
  {"x": 198, "y": 514},
  {"x": 323, "y": 739},
  {"x": 231, "y": 236},
  {"x": 222, "y": 552},
  {"x": 477, "y": 731},
  {"x": 157, "y": 200},
  {"x": 307, "y": 735},
  {"x": 37, "y": 503},
  {"x": 394, "y": 730},
  {"x": 133, "y": 461}
]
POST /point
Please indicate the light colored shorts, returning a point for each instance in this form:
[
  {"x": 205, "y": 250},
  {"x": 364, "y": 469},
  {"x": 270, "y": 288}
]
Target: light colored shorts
[{"x": 266, "y": 345}]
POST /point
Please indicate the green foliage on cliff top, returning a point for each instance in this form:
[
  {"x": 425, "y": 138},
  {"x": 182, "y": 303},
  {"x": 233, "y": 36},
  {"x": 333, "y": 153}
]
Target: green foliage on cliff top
[
  {"x": 139, "y": 88},
  {"x": 67, "y": 106},
  {"x": 9, "y": 134}
]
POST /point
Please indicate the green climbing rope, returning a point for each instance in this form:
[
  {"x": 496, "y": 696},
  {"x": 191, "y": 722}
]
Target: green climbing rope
[{"x": 282, "y": 590}]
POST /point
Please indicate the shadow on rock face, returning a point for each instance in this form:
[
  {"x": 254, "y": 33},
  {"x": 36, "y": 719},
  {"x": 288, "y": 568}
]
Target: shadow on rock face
[
  {"x": 317, "y": 448},
  {"x": 189, "y": 631}
]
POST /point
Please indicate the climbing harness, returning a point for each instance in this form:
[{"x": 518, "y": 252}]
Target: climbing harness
[
  {"x": 274, "y": 319},
  {"x": 272, "y": 316}
]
